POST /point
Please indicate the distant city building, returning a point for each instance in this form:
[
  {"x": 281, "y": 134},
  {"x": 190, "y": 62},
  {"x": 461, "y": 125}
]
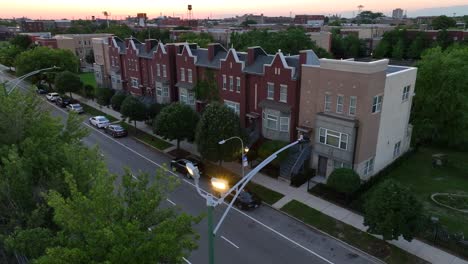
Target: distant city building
[
  {"x": 322, "y": 39},
  {"x": 259, "y": 19},
  {"x": 142, "y": 19},
  {"x": 311, "y": 20},
  {"x": 101, "y": 66},
  {"x": 397, "y": 13},
  {"x": 32, "y": 26}
]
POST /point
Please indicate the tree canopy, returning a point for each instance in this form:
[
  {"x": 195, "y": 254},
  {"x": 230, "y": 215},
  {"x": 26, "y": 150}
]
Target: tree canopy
[
  {"x": 441, "y": 105},
  {"x": 68, "y": 82},
  {"x": 393, "y": 211},
  {"x": 216, "y": 123},
  {"x": 443, "y": 22},
  {"x": 176, "y": 122},
  {"x": 133, "y": 109},
  {"x": 207, "y": 89},
  {"x": 344, "y": 180},
  {"x": 21, "y": 41},
  {"x": 349, "y": 46},
  {"x": 368, "y": 17},
  {"x": 202, "y": 39}
]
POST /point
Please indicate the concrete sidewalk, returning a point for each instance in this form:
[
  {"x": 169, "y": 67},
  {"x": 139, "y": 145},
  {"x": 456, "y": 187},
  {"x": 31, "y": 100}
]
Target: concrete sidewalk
[{"x": 415, "y": 247}]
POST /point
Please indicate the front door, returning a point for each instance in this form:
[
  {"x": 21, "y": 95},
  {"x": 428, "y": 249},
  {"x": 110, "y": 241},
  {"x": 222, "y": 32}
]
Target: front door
[{"x": 322, "y": 166}]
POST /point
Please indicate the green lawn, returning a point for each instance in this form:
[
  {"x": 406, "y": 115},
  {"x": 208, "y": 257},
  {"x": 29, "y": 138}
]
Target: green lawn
[
  {"x": 349, "y": 234},
  {"x": 88, "y": 78},
  {"x": 95, "y": 112},
  {"x": 424, "y": 180},
  {"x": 147, "y": 138}
]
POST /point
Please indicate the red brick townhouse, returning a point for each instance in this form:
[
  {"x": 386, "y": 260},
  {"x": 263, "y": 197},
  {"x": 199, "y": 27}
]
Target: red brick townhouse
[{"x": 263, "y": 89}]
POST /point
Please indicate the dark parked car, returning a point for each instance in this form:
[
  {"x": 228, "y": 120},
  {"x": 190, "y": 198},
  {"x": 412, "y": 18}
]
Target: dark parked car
[
  {"x": 180, "y": 165},
  {"x": 247, "y": 200},
  {"x": 116, "y": 131},
  {"x": 63, "y": 102},
  {"x": 41, "y": 91}
]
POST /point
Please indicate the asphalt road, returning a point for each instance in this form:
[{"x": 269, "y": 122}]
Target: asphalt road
[{"x": 263, "y": 235}]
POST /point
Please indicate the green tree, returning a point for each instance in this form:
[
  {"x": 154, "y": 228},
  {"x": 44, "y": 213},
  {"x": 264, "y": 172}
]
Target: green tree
[
  {"x": 344, "y": 180},
  {"x": 117, "y": 100},
  {"x": 353, "y": 46},
  {"x": 21, "y": 41},
  {"x": 443, "y": 39},
  {"x": 417, "y": 46},
  {"x": 382, "y": 50},
  {"x": 43, "y": 57},
  {"x": 104, "y": 95},
  {"x": 153, "y": 109},
  {"x": 393, "y": 211},
  {"x": 8, "y": 55},
  {"x": 202, "y": 39},
  {"x": 120, "y": 30},
  {"x": 399, "y": 50},
  {"x": 443, "y": 22},
  {"x": 68, "y": 82},
  {"x": 207, "y": 89},
  {"x": 127, "y": 225},
  {"x": 153, "y": 33},
  {"x": 440, "y": 110},
  {"x": 176, "y": 122},
  {"x": 368, "y": 17},
  {"x": 89, "y": 58},
  {"x": 133, "y": 109},
  {"x": 88, "y": 91},
  {"x": 218, "y": 122}
]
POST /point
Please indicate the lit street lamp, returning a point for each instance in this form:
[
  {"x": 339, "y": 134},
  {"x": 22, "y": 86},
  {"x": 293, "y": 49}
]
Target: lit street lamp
[
  {"x": 243, "y": 151},
  {"x": 222, "y": 185}
]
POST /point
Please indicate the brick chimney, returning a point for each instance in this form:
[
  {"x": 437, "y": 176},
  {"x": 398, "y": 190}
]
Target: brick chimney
[
  {"x": 213, "y": 49},
  {"x": 252, "y": 54},
  {"x": 150, "y": 44}
]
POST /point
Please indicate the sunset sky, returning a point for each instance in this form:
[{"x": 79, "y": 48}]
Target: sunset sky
[{"x": 55, "y": 9}]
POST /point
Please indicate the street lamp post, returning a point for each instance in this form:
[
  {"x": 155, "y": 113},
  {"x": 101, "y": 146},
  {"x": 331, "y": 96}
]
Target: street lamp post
[
  {"x": 220, "y": 184},
  {"x": 21, "y": 78},
  {"x": 243, "y": 150}
]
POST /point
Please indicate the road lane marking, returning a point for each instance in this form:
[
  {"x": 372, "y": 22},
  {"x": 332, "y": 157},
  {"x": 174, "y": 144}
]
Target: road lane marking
[
  {"x": 230, "y": 242},
  {"x": 233, "y": 208},
  {"x": 170, "y": 201}
]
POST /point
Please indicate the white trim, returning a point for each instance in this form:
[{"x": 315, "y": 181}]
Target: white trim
[
  {"x": 355, "y": 105},
  {"x": 338, "y": 111},
  {"x": 283, "y": 61},
  {"x": 340, "y": 137},
  {"x": 235, "y": 106},
  {"x": 283, "y": 86},
  {"x": 236, "y": 58},
  {"x": 268, "y": 90}
]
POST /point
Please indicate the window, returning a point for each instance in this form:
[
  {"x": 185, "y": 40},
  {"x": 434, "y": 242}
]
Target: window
[
  {"x": 162, "y": 91},
  {"x": 233, "y": 106},
  {"x": 231, "y": 83},
  {"x": 352, "y": 105},
  {"x": 187, "y": 97},
  {"x": 270, "y": 121},
  {"x": 189, "y": 75},
  {"x": 377, "y": 104},
  {"x": 369, "y": 167},
  {"x": 270, "y": 91},
  {"x": 134, "y": 82},
  {"x": 165, "y": 91},
  {"x": 339, "y": 164},
  {"x": 283, "y": 93},
  {"x": 284, "y": 124},
  {"x": 182, "y": 74},
  {"x": 339, "y": 104},
  {"x": 406, "y": 91},
  {"x": 238, "y": 84},
  {"x": 158, "y": 70},
  {"x": 164, "y": 71},
  {"x": 333, "y": 138},
  {"x": 224, "y": 82},
  {"x": 396, "y": 149},
  {"x": 328, "y": 103}
]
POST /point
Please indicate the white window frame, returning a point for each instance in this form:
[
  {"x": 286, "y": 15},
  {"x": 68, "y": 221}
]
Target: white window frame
[
  {"x": 158, "y": 70},
  {"x": 191, "y": 97},
  {"x": 231, "y": 83},
  {"x": 352, "y": 105},
  {"x": 283, "y": 93},
  {"x": 164, "y": 71},
  {"x": 269, "y": 117},
  {"x": 134, "y": 82},
  {"x": 406, "y": 91},
  {"x": 224, "y": 81},
  {"x": 159, "y": 91},
  {"x": 238, "y": 84},
  {"x": 397, "y": 149},
  {"x": 284, "y": 124},
  {"x": 377, "y": 104},
  {"x": 182, "y": 74},
  {"x": 328, "y": 101},
  {"x": 368, "y": 166},
  {"x": 189, "y": 75},
  {"x": 183, "y": 96},
  {"x": 234, "y": 106},
  {"x": 341, "y": 138},
  {"x": 271, "y": 91},
  {"x": 339, "y": 104}
]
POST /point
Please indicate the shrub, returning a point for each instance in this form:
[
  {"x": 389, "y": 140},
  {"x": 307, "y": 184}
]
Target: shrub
[
  {"x": 117, "y": 100},
  {"x": 88, "y": 91},
  {"x": 270, "y": 147},
  {"x": 303, "y": 177},
  {"x": 104, "y": 96},
  {"x": 344, "y": 180}
]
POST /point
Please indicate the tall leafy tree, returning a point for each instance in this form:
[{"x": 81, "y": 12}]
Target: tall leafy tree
[
  {"x": 21, "y": 41},
  {"x": 104, "y": 96},
  {"x": 207, "y": 89},
  {"x": 176, "y": 122},
  {"x": 133, "y": 109},
  {"x": 443, "y": 39},
  {"x": 127, "y": 225},
  {"x": 441, "y": 105},
  {"x": 218, "y": 122},
  {"x": 417, "y": 46},
  {"x": 399, "y": 50},
  {"x": 202, "y": 39},
  {"x": 393, "y": 211},
  {"x": 68, "y": 82},
  {"x": 443, "y": 22}
]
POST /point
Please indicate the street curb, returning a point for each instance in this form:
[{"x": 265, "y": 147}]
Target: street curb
[
  {"x": 326, "y": 234},
  {"x": 148, "y": 145}
]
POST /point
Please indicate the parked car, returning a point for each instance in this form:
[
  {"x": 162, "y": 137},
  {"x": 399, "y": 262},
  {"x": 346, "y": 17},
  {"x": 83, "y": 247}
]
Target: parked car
[
  {"x": 116, "y": 131},
  {"x": 180, "y": 166},
  {"x": 52, "y": 96},
  {"x": 75, "y": 108},
  {"x": 247, "y": 200},
  {"x": 63, "y": 102},
  {"x": 99, "y": 121},
  {"x": 41, "y": 91}
]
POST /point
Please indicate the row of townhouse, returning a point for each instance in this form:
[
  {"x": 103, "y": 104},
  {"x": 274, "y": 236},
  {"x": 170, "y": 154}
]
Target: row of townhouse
[{"x": 338, "y": 104}]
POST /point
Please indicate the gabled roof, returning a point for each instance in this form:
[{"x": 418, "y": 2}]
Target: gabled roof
[
  {"x": 257, "y": 66},
  {"x": 202, "y": 59},
  {"x": 119, "y": 44}
]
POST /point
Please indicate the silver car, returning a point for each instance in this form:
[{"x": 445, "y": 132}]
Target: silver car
[
  {"x": 99, "y": 121},
  {"x": 77, "y": 108}
]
